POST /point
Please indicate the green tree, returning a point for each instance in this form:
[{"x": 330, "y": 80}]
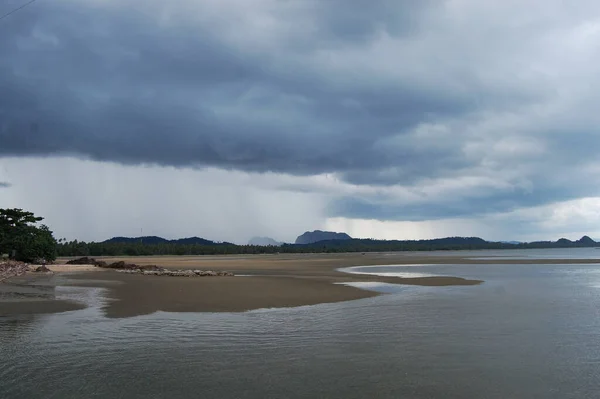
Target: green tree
[{"x": 19, "y": 234}]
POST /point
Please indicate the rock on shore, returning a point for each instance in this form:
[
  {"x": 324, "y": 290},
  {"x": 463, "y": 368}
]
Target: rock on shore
[
  {"x": 87, "y": 261},
  {"x": 175, "y": 273},
  {"x": 146, "y": 270},
  {"x": 42, "y": 269},
  {"x": 12, "y": 269}
]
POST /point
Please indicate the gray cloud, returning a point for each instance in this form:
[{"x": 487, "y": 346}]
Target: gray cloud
[
  {"x": 4, "y": 184},
  {"x": 470, "y": 206},
  {"x": 394, "y": 93}
]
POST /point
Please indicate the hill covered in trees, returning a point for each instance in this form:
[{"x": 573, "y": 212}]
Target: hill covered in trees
[
  {"x": 154, "y": 240},
  {"x": 198, "y": 246}
]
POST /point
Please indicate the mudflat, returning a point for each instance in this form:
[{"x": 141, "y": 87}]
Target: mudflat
[{"x": 260, "y": 281}]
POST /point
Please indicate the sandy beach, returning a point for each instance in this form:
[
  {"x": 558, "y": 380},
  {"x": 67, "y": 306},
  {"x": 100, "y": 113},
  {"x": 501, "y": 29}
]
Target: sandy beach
[{"x": 261, "y": 281}]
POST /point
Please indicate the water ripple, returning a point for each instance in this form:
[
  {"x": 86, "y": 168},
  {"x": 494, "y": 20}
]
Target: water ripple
[{"x": 540, "y": 338}]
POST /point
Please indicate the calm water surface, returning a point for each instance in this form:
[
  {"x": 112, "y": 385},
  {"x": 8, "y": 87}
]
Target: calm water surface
[{"x": 530, "y": 331}]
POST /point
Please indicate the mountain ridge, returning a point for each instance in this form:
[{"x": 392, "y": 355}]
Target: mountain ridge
[
  {"x": 158, "y": 240},
  {"x": 264, "y": 241},
  {"x": 346, "y": 240},
  {"x": 311, "y": 237},
  {"x": 153, "y": 245}
]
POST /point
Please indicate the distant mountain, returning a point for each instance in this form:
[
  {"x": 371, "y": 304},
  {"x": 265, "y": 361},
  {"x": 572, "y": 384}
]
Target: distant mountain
[
  {"x": 585, "y": 240},
  {"x": 311, "y": 237},
  {"x": 192, "y": 240},
  {"x": 158, "y": 240},
  {"x": 454, "y": 241},
  {"x": 327, "y": 241},
  {"x": 264, "y": 242},
  {"x": 144, "y": 240}
]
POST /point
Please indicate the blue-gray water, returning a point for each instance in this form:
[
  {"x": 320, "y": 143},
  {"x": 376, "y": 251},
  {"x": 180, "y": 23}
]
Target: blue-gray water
[{"x": 530, "y": 331}]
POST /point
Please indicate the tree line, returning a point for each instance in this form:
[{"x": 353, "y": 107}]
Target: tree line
[
  {"x": 23, "y": 238},
  {"x": 136, "y": 248}
]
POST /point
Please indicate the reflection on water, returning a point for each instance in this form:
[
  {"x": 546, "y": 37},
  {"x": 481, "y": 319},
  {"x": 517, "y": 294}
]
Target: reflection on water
[
  {"x": 530, "y": 331},
  {"x": 14, "y": 327},
  {"x": 523, "y": 254},
  {"x": 550, "y": 253},
  {"x": 385, "y": 288},
  {"x": 16, "y": 292},
  {"x": 406, "y": 271}
]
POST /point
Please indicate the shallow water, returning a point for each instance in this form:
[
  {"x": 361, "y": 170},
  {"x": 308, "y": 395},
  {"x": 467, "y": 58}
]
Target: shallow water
[{"x": 530, "y": 331}]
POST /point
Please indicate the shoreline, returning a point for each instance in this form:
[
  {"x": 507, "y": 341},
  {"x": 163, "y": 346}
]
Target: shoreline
[{"x": 261, "y": 281}]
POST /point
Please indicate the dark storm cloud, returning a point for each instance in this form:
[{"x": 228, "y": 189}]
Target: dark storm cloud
[
  {"x": 109, "y": 86},
  {"x": 320, "y": 93}
]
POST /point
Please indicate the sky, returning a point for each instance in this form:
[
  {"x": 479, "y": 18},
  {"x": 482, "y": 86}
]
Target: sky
[{"x": 228, "y": 119}]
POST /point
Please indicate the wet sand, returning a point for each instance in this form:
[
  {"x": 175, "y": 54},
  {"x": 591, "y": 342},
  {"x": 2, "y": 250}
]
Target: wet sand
[
  {"x": 261, "y": 281},
  {"x": 59, "y": 268},
  {"x": 34, "y": 294}
]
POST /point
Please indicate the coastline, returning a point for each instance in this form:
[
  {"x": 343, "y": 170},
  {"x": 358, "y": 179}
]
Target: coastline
[{"x": 261, "y": 281}]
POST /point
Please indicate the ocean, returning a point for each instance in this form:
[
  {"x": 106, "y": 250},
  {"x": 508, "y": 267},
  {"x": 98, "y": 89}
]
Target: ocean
[{"x": 529, "y": 331}]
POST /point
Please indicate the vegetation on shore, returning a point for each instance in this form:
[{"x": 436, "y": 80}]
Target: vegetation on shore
[{"x": 22, "y": 239}]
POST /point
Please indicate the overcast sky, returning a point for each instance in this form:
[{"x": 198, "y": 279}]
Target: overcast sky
[{"x": 228, "y": 119}]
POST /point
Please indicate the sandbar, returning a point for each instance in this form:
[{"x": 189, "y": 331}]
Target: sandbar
[{"x": 261, "y": 281}]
